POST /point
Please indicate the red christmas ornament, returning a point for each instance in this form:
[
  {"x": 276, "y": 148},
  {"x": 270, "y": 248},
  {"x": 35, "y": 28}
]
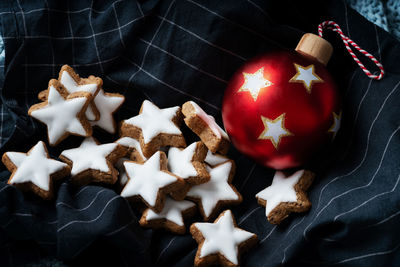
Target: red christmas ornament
[{"x": 280, "y": 108}]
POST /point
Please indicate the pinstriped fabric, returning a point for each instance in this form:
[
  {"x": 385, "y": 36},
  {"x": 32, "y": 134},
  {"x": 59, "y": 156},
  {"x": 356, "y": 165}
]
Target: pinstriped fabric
[{"x": 173, "y": 51}]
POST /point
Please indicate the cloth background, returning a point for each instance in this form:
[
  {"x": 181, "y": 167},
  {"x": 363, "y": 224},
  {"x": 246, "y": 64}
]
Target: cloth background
[
  {"x": 384, "y": 13},
  {"x": 173, "y": 51}
]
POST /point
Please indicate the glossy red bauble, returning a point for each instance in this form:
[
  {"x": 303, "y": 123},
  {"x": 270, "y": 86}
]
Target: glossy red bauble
[{"x": 280, "y": 108}]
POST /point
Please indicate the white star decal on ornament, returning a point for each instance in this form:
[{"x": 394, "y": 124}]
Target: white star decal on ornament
[
  {"x": 281, "y": 190},
  {"x": 305, "y": 75},
  {"x": 274, "y": 130},
  {"x": 336, "y": 123},
  {"x": 254, "y": 82}
]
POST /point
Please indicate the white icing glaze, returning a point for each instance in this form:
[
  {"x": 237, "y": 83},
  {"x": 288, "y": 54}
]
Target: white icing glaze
[
  {"x": 146, "y": 179},
  {"x": 216, "y": 189},
  {"x": 214, "y": 159},
  {"x": 281, "y": 190},
  {"x": 223, "y": 237},
  {"x": 218, "y": 131},
  {"x": 154, "y": 121},
  {"x": 71, "y": 86},
  {"x": 107, "y": 104},
  {"x": 60, "y": 115},
  {"x": 180, "y": 161},
  {"x": 131, "y": 143},
  {"x": 34, "y": 167},
  {"x": 172, "y": 211},
  {"x": 123, "y": 178},
  {"x": 89, "y": 156}
]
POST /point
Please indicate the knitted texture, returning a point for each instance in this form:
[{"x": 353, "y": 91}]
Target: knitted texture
[
  {"x": 385, "y": 14},
  {"x": 393, "y": 17}
]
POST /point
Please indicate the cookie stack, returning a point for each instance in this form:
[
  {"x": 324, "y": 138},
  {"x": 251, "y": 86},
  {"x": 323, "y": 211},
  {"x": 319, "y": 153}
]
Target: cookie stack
[
  {"x": 71, "y": 105},
  {"x": 154, "y": 167},
  {"x": 171, "y": 178}
]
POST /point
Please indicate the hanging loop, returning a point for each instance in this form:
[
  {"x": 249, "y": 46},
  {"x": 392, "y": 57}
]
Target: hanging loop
[{"x": 331, "y": 25}]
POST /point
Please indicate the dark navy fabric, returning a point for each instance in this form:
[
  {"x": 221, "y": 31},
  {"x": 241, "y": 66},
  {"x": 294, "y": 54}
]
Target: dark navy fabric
[{"x": 173, "y": 51}]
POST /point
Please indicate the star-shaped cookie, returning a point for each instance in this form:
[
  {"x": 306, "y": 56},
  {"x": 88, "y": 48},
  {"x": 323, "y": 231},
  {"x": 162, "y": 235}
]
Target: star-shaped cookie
[
  {"x": 214, "y": 159},
  {"x": 155, "y": 128},
  {"x": 107, "y": 104},
  {"x": 151, "y": 181},
  {"x": 133, "y": 148},
  {"x": 189, "y": 165},
  {"x": 286, "y": 194},
  {"x": 92, "y": 162},
  {"x": 73, "y": 83},
  {"x": 63, "y": 115},
  {"x": 204, "y": 125},
  {"x": 122, "y": 177},
  {"x": 221, "y": 242},
  {"x": 35, "y": 170},
  {"x": 217, "y": 192},
  {"x": 171, "y": 217}
]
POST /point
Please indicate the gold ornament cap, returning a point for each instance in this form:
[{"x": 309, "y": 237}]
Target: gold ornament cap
[{"x": 316, "y": 47}]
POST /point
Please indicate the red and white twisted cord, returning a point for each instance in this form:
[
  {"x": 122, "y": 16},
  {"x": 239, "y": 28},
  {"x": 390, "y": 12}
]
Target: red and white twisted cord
[{"x": 331, "y": 25}]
